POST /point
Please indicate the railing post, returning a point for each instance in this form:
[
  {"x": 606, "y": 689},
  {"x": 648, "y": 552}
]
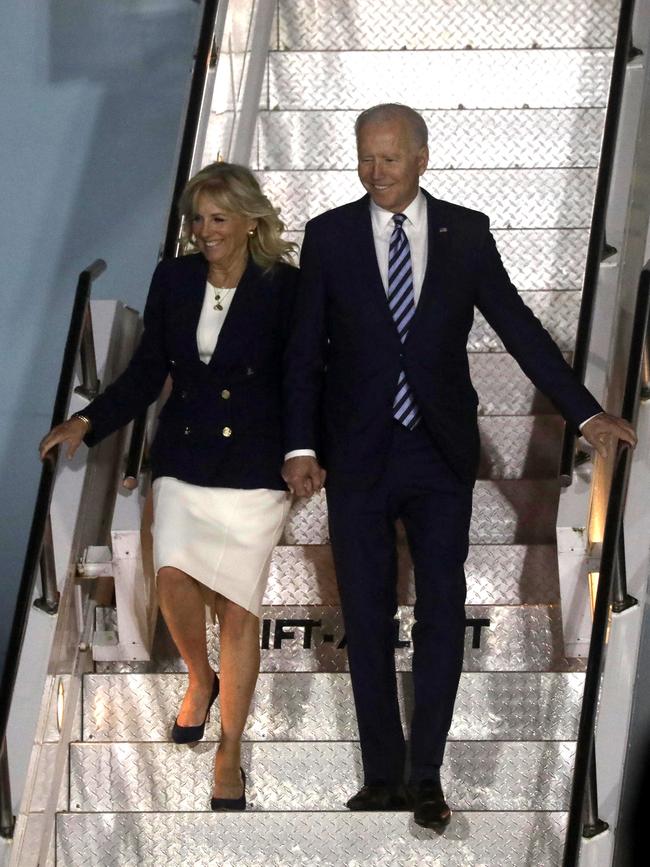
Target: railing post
[
  {"x": 49, "y": 601},
  {"x": 134, "y": 456},
  {"x": 7, "y": 820},
  {"x": 89, "y": 387},
  {"x": 621, "y": 599},
  {"x": 591, "y": 824}
]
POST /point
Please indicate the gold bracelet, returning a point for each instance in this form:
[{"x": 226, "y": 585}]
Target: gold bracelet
[{"x": 83, "y": 418}]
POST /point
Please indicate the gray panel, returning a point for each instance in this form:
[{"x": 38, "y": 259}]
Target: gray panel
[
  {"x": 439, "y": 79},
  {"x": 536, "y": 259},
  {"x": 507, "y": 138},
  {"x": 496, "y": 575},
  {"x": 558, "y": 312},
  {"x": 309, "y": 776},
  {"x": 338, "y": 25},
  {"x": 505, "y": 512},
  {"x": 513, "y": 198},
  {"x": 319, "y": 707},
  {"x": 316, "y": 840}
]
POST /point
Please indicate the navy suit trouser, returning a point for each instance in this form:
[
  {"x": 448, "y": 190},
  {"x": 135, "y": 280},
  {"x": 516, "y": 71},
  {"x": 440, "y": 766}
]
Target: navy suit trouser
[{"x": 434, "y": 505}]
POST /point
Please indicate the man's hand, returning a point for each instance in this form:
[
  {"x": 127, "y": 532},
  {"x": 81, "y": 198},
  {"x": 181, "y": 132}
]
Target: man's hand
[
  {"x": 303, "y": 475},
  {"x": 605, "y": 430}
]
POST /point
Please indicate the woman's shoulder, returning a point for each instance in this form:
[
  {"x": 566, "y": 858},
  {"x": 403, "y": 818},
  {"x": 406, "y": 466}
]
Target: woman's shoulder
[{"x": 283, "y": 274}]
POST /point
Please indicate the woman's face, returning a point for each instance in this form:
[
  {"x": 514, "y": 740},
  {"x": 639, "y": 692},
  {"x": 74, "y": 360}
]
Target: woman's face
[{"x": 222, "y": 236}]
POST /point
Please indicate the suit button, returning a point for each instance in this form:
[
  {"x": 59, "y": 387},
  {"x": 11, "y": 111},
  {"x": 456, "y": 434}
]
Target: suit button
[
  {"x": 183, "y": 395},
  {"x": 225, "y": 394},
  {"x": 172, "y": 362},
  {"x": 187, "y": 431},
  {"x": 249, "y": 371},
  {"x": 226, "y": 432}
]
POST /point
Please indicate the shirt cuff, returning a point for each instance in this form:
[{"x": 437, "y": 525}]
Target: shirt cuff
[
  {"x": 300, "y": 453},
  {"x": 582, "y": 424}
]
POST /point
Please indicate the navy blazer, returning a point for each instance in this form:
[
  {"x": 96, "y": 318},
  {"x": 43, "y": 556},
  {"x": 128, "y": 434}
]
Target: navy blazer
[
  {"x": 222, "y": 423},
  {"x": 344, "y": 355}
]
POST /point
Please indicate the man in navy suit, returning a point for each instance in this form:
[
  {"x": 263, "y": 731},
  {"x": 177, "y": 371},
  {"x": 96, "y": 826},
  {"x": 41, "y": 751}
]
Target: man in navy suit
[{"x": 378, "y": 392}]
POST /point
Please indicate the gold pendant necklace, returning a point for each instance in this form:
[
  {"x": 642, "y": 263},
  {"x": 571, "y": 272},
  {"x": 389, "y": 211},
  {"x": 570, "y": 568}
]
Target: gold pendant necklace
[{"x": 218, "y": 295}]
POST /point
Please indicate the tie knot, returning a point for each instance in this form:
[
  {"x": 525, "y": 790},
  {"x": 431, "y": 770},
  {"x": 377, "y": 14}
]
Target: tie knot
[{"x": 398, "y": 219}]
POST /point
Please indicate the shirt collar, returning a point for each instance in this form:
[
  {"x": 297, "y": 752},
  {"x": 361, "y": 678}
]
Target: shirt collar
[{"x": 414, "y": 213}]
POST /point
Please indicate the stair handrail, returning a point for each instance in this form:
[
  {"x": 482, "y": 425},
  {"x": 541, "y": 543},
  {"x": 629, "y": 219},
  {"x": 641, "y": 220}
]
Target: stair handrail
[
  {"x": 204, "y": 57},
  {"x": 40, "y": 540},
  {"x": 612, "y": 590},
  {"x": 598, "y": 249}
]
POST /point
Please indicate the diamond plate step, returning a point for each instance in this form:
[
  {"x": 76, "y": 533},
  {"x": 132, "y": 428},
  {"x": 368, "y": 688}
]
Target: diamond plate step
[
  {"x": 558, "y": 312},
  {"x": 520, "y": 447},
  {"x": 319, "y": 707},
  {"x": 316, "y": 839},
  {"x": 438, "y": 79},
  {"x": 296, "y": 638},
  {"x": 324, "y": 25},
  {"x": 503, "y": 388},
  {"x": 458, "y": 139},
  {"x": 163, "y": 777},
  {"x": 528, "y": 198},
  {"x": 495, "y": 574},
  {"x": 505, "y": 512}
]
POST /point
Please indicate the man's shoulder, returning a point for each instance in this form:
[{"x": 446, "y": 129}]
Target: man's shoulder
[{"x": 455, "y": 214}]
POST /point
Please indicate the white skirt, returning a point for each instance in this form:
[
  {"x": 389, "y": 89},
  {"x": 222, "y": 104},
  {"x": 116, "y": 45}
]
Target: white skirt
[{"x": 222, "y": 537}]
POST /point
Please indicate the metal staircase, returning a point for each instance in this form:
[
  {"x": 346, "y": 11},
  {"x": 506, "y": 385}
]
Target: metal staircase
[{"x": 514, "y": 97}]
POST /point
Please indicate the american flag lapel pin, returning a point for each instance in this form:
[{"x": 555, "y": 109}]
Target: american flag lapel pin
[{"x": 443, "y": 229}]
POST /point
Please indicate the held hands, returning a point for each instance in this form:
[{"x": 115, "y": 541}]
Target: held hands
[
  {"x": 605, "y": 430},
  {"x": 71, "y": 431},
  {"x": 303, "y": 475}
]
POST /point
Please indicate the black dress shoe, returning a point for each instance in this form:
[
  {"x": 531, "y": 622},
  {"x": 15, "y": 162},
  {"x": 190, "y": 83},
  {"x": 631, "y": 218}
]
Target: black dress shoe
[
  {"x": 192, "y": 734},
  {"x": 430, "y": 810},
  {"x": 218, "y": 805},
  {"x": 380, "y": 796}
]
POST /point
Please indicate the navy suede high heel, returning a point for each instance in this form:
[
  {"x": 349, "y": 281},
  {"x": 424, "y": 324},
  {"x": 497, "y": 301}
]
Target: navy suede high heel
[
  {"x": 219, "y": 804},
  {"x": 192, "y": 734}
]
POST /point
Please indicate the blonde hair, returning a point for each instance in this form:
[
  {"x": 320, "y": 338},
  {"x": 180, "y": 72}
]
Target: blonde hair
[{"x": 236, "y": 189}]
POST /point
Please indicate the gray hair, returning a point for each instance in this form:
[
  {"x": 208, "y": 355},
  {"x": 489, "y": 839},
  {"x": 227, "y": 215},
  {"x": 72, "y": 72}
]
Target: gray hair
[{"x": 388, "y": 111}]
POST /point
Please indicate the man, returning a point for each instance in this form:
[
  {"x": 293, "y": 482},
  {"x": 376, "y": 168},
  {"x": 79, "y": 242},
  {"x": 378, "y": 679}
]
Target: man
[{"x": 378, "y": 354}]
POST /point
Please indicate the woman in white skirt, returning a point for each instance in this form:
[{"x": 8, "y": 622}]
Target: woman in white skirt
[{"x": 216, "y": 322}]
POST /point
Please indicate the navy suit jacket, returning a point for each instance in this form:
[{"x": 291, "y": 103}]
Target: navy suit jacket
[
  {"x": 238, "y": 392},
  {"x": 344, "y": 354}
]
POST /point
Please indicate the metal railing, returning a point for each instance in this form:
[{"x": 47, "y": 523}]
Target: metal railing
[
  {"x": 135, "y": 453},
  {"x": 612, "y": 591},
  {"x": 202, "y": 61},
  {"x": 39, "y": 546},
  {"x": 598, "y": 249}
]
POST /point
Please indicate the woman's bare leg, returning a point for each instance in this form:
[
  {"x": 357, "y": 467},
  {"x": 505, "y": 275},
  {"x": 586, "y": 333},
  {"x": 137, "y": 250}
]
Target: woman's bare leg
[
  {"x": 239, "y": 667},
  {"x": 183, "y": 607}
]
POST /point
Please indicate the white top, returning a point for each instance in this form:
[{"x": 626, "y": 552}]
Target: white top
[{"x": 211, "y": 320}]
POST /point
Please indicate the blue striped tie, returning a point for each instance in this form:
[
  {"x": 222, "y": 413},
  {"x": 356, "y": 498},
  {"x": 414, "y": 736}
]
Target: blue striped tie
[{"x": 401, "y": 301}]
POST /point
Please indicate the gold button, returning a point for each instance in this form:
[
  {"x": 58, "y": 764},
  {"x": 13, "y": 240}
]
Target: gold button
[
  {"x": 226, "y": 432},
  {"x": 225, "y": 394}
]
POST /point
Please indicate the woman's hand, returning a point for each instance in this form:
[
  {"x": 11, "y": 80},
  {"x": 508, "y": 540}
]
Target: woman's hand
[{"x": 71, "y": 431}]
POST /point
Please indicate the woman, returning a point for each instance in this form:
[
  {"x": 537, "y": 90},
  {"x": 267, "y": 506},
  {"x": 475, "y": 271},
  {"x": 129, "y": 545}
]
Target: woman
[{"x": 219, "y": 500}]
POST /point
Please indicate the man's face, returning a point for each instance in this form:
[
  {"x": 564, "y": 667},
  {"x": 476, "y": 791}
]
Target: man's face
[{"x": 390, "y": 163}]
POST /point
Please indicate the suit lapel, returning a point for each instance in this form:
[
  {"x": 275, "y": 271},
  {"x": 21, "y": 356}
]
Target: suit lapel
[{"x": 363, "y": 244}]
